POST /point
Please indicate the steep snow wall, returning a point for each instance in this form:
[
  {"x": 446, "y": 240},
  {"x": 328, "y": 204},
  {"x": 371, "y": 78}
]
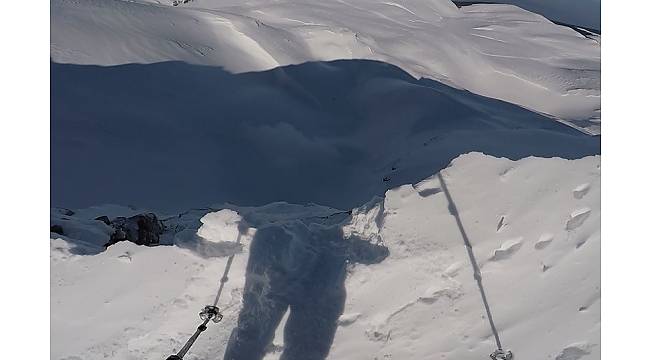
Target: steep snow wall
[{"x": 173, "y": 135}]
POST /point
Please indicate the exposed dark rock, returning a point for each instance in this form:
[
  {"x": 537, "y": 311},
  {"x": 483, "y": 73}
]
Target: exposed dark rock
[
  {"x": 63, "y": 211},
  {"x": 57, "y": 229},
  {"x": 142, "y": 229}
]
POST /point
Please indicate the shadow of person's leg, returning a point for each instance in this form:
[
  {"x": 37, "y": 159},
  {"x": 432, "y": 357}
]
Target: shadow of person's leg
[
  {"x": 264, "y": 304},
  {"x": 312, "y": 322},
  {"x": 255, "y": 329}
]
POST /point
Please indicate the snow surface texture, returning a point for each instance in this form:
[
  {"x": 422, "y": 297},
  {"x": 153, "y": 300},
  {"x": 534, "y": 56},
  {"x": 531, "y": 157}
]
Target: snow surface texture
[
  {"x": 499, "y": 51},
  {"x": 534, "y": 225}
]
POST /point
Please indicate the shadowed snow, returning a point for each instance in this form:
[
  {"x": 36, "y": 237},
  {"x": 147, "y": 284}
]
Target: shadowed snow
[{"x": 173, "y": 135}]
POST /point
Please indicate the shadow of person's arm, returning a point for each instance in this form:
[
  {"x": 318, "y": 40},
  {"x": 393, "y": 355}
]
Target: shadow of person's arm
[{"x": 364, "y": 252}]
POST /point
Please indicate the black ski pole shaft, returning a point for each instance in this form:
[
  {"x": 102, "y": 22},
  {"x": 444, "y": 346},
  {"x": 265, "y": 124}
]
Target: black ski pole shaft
[{"x": 190, "y": 341}]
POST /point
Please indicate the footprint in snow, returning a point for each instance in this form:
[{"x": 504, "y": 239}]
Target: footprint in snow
[
  {"x": 348, "y": 319},
  {"x": 181, "y": 303},
  {"x": 502, "y": 222},
  {"x": 453, "y": 269},
  {"x": 126, "y": 257},
  {"x": 590, "y": 301},
  {"x": 274, "y": 348},
  {"x": 582, "y": 241},
  {"x": 577, "y": 218},
  {"x": 544, "y": 241},
  {"x": 504, "y": 174},
  {"x": 377, "y": 335},
  {"x": 432, "y": 295},
  {"x": 507, "y": 249},
  {"x": 574, "y": 352},
  {"x": 581, "y": 190}
]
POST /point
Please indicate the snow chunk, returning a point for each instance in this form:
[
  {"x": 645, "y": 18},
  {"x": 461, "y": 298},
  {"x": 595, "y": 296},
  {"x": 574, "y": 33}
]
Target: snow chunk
[{"x": 220, "y": 226}]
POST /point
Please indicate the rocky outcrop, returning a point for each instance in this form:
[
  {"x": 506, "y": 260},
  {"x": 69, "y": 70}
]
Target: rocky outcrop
[
  {"x": 142, "y": 229},
  {"x": 104, "y": 219},
  {"x": 57, "y": 229}
]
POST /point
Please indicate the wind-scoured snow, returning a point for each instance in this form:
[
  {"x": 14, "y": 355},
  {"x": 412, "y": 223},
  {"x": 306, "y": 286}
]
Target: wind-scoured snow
[
  {"x": 499, "y": 51},
  {"x": 539, "y": 256}
]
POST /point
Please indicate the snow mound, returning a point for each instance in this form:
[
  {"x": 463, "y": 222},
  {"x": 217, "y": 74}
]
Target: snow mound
[
  {"x": 220, "y": 226},
  {"x": 420, "y": 302}
]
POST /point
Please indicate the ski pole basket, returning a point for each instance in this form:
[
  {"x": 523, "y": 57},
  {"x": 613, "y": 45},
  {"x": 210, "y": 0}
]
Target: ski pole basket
[
  {"x": 209, "y": 312},
  {"x": 502, "y": 355}
]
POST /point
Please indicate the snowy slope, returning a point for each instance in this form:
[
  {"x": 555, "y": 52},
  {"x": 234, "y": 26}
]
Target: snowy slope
[
  {"x": 534, "y": 224},
  {"x": 172, "y": 135},
  {"x": 344, "y": 104},
  {"x": 584, "y": 13},
  {"x": 499, "y": 51}
]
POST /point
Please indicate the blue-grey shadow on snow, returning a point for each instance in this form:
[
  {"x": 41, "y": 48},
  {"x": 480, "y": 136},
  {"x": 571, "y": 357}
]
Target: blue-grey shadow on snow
[
  {"x": 171, "y": 136},
  {"x": 300, "y": 267},
  {"x": 583, "y": 16}
]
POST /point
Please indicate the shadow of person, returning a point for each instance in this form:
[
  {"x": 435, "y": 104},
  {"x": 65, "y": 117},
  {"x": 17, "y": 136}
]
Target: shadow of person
[{"x": 301, "y": 267}]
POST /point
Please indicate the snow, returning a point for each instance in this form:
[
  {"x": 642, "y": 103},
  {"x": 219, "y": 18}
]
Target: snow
[
  {"x": 172, "y": 136},
  {"x": 329, "y": 159},
  {"x": 499, "y": 51},
  {"x": 255, "y": 102},
  {"x": 220, "y": 226},
  {"x": 583, "y": 13},
  {"x": 541, "y": 275}
]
